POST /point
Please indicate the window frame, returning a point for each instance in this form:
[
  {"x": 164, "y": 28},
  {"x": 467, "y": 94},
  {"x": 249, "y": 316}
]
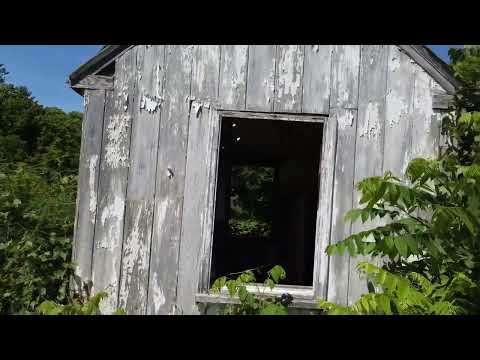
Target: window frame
[{"x": 304, "y": 296}]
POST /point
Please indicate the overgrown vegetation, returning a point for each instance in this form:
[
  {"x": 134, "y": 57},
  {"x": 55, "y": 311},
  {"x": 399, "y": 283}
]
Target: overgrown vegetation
[
  {"x": 431, "y": 240},
  {"x": 251, "y": 201},
  {"x": 251, "y": 303},
  {"x": 39, "y": 149},
  {"x": 79, "y": 304}
]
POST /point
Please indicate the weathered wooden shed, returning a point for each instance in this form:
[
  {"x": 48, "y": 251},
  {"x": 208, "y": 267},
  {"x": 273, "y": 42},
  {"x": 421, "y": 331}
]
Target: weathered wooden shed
[{"x": 152, "y": 183}]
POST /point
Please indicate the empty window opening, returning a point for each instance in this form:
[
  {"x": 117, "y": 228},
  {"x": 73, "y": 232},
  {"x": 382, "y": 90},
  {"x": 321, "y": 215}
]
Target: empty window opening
[{"x": 267, "y": 198}]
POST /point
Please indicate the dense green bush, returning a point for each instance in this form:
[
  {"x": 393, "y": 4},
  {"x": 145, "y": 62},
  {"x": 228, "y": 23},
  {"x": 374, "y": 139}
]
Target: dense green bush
[
  {"x": 431, "y": 240},
  {"x": 39, "y": 150},
  {"x": 250, "y": 303}
]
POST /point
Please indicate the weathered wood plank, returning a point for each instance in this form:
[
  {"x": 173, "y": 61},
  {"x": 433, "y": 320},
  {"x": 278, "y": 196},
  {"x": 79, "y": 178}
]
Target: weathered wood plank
[
  {"x": 289, "y": 78},
  {"x": 92, "y": 130},
  {"x": 205, "y": 76},
  {"x": 271, "y": 116},
  {"x": 316, "y": 79},
  {"x": 425, "y": 125},
  {"x": 170, "y": 181},
  {"x": 261, "y": 77},
  {"x": 233, "y": 76},
  {"x": 113, "y": 182},
  {"x": 369, "y": 142},
  {"x": 324, "y": 212},
  {"x": 399, "y": 106},
  {"x": 196, "y": 207},
  {"x": 442, "y": 101},
  {"x": 344, "y": 80},
  {"x": 342, "y": 200},
  {"x": 141, "y": 178},
  {"x": 436, "y": 69},
  {"x": 343, "y": 104},
  {"x": 95, "y": 82}
]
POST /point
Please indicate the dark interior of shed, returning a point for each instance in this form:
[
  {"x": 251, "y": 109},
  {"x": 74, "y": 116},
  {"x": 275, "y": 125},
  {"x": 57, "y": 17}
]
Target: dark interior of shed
[{"x": 267, "y": 198}]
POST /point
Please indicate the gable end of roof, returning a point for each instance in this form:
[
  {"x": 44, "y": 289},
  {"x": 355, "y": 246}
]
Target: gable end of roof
[{"x": 422, "y": 55}]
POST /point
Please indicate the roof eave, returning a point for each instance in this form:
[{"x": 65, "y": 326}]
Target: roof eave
[{"x": 96, "y": 63}]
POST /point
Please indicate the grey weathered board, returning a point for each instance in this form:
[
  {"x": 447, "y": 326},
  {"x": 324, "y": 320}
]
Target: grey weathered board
[
  {"x": 316, "y": 79},
  {"x": 141, "y": 178},
  {"x": 289, "y": 78},
  {"x": 324, "y": 212},
  {"x": 233, "y": 76},
  {"x": 343, "y": 103},
  {"x": 261, "y": 77},
  {"x": 195, "y": 206},
  {"x": 170, "y": 181},
  {"x": 425, "y": 127},
  {"x": 113, "y": 182},
  {"x": 92, "y": 129},
  {"x": 369, "y": 141},
  {"x": 398, "y": 116}
]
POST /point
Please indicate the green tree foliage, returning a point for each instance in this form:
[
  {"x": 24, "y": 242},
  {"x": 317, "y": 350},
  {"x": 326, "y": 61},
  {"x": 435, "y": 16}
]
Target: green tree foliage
[
  {"x": 79, "y": 304},
  {"x": 251, "y": 201},
  {"x": 39, "y": 150},
  {"x": 249, "y": 303},
  {"x": 3, "y": 73},
  {"x": 432, "y": 237}
]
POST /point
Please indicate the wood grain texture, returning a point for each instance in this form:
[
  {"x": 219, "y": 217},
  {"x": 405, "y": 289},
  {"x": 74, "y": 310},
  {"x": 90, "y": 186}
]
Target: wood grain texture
[
  {"x": 141, "y": 178},
  {"x": 436, "y": 68},
  {"x": 95, "y": 82},
  {"x": 261, "y": 77},
  {"x": 316, "y": 79},
  {"x": 113, "y": 182},
  {"x": 342, "y": 201},
  {"x": 92, "y": 130},
  {"x": 425, "y": 126},
  {"x": 369, "y": 142},
  {"x": 196, "y": 210},
  {"x": 233, "y": 76},
  {"x": 343, "y": 110},
  {"x": 398, "y": 114},
  {"x": 344, "y": 77},
  {"x": 324, "y": 213},
  {"x": 170, "y": 182},
  {"x": 289, "y": 78}
]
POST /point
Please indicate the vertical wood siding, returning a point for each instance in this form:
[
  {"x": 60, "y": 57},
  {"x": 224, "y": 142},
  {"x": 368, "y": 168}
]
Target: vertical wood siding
[
  {"x": 369, "y": 141},
  {"x": 141, "y": 178},
  {"x": 113, "y": 182},
  {"x": 92, "y": 129},
  {"x": 148, "y": 147},
  {"x": 170, "y": 181},
  {"x": 343, "y": 112}
]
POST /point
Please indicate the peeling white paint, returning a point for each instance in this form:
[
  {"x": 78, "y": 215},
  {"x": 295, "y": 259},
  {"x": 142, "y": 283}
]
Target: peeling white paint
[
  {"x": 397, "y": 109},
  {"x": 395, "y": 63},
  {"x": 116, "y": 153},
  {"x": 159, "y": 80},
  {"x": 135, "y": 257},
  {"x": 92, "y": 166},
  {"x": 158, "y": 296},
  {"x": 345, "y": 120},
  {"x": 123, "y": 98},
  {"x": 289, "y": 77},
  {"x": 234, "y": 73},
  {"x": 110, "y": 217},
  {"x": 371, "y": 123},
  {"x": 161, "y": 213},
  {"x": 150, "y": 103}
]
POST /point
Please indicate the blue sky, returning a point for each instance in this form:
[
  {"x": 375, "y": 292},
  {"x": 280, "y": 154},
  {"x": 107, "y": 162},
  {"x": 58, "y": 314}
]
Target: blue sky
[{"x": 44, "y": 69}]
